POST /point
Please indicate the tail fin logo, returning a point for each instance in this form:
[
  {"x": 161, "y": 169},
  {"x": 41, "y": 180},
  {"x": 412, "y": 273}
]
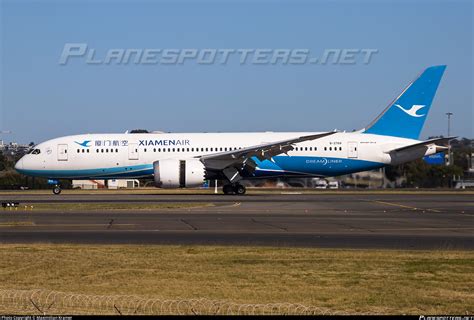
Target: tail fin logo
[{"x": 412, "y": 112}]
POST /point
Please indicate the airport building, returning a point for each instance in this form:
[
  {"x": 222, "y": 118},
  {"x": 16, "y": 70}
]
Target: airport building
[{"x": 106, "y": 184}]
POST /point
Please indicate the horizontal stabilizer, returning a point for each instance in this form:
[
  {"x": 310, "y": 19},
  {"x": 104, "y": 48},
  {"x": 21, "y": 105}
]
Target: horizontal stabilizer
[{"x": 439, "y": 142}]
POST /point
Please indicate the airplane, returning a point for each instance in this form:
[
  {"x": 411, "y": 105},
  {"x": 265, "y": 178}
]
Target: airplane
[{"x": 180, "y": 160}]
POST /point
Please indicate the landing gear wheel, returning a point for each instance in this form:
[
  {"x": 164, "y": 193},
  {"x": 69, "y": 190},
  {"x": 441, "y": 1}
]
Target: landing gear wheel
[
  {"x": 239, "y": 189},
  {"x": 57, "y": 190},
  {"x": 228, "y": 189}
]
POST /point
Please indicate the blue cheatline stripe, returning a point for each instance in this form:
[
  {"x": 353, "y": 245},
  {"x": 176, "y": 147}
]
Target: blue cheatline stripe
[
  {"x": 315, "y": 166},
  {"x": 107, "y": 173},
  {"x": 282, "y": 166}
]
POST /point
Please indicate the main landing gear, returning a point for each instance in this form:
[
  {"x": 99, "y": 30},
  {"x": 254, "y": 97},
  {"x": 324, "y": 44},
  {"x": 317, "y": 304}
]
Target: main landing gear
[
  {"x": 57, "y": 189},
  {"x": 235, "y": 188}
]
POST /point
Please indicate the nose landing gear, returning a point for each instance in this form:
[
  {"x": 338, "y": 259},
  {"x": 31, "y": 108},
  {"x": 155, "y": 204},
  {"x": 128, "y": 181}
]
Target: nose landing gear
[
  {"x": 57, "y": 189},
  {"x": 235, "y": 188}
]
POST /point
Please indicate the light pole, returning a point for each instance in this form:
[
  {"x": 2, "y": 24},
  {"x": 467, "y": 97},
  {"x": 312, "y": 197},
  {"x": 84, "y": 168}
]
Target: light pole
[
  {"x": 449, "y": 114},
  {"x": 4, "y": 132}
]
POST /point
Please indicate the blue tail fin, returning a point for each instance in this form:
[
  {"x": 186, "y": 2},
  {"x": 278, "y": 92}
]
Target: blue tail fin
[{"x": 405, "y": 116}]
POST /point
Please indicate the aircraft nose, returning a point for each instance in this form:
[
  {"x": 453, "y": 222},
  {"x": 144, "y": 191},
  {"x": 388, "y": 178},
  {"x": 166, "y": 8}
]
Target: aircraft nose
[{"x": 19, "y": 165}]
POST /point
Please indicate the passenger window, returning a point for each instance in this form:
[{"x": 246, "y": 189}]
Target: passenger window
[
  {"x": 87, "y": 150},
  {"x": 325, "y": 148},
  {"x": 187, "y": 149},
  {"x": 174, "y": 150},
  {"x": 78, "y": 151},
  {"x": 305, "y": 148},
  {"x": 102, "y": 150}
]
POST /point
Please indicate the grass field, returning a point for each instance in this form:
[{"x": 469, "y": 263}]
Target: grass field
[
  {"x": 91, "y": 206},
  {"x": 345, "y": 281}
]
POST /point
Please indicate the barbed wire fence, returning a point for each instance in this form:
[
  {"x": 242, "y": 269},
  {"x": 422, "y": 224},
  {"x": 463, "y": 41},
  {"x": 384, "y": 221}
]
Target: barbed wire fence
[{"x": 45, "y": 302}]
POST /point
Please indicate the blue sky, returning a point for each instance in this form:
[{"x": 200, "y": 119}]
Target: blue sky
[{"x": 41, "y": 99}]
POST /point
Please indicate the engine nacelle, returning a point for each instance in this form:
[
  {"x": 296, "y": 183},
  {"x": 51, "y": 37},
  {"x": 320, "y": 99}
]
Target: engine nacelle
[{"x": 175, "y": 173}]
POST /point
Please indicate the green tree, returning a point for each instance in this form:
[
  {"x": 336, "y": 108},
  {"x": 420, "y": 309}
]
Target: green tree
[{"x": 2, "y": 162}]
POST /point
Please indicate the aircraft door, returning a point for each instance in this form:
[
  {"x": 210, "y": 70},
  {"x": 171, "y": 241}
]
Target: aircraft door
[
  {"x": 132, "y": 151},
  {"x": 62, "y": 152},
  {"x": 352, "y": 150}
]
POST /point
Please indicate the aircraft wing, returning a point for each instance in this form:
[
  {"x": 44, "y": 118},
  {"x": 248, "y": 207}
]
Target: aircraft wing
[
  {"x": 438, "y": 142},
  {"x": 233, "y": 162}
]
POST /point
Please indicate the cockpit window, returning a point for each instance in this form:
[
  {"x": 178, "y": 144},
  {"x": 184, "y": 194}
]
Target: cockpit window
[{"x": 36, "y": 151}]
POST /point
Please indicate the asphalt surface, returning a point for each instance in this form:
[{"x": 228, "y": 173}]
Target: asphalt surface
[{"x": 394, "y": 221}]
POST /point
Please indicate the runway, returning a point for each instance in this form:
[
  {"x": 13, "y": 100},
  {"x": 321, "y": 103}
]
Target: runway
[{"x": 394, "y": 221}]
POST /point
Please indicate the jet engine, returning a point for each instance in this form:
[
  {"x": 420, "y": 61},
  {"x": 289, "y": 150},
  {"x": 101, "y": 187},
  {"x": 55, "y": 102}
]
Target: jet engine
[{"x": 175, "y": 173}]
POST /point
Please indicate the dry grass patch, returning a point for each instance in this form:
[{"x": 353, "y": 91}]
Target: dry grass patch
[
  {"x": 101, "y": 206},
  {"x": 355, "y": 281}
]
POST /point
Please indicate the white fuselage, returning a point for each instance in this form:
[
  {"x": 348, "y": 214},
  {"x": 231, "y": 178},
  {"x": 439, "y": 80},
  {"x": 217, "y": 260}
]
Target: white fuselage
[{"x": 133, "y": 155}]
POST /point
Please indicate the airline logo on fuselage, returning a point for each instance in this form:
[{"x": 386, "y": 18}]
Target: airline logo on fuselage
[
  {"x": 85, "y": 143},
  {"x": 182, "y": 142}
]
